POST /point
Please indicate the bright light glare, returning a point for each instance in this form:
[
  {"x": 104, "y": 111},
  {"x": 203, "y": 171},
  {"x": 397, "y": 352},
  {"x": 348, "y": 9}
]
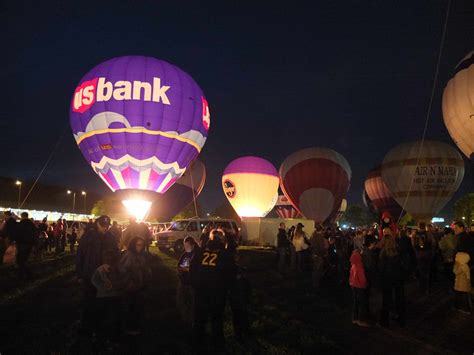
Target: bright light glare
[
  {"x": 137, "y": 208},
  {"x": 18, "y": 182}
]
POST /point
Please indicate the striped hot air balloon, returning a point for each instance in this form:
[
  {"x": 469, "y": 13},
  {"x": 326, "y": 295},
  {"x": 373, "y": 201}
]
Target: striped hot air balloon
[
  {"x": 315, "y": 180},
  {"x": 379, "y": 194},
  {"x": 181, "y": 194},
  {"x": 423, "y": 188},
  {"x": 285, "y": 209},
  {"x": 251, "y": 186},
  {"x": 458, "y": 106},
  {"x": 139, "y": 122}
]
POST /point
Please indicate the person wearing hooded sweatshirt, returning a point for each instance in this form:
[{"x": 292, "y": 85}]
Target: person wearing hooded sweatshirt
[
  {"x": 462, "y": 284},
  {"x": 358, "y": 282},
  {"x": 133, "y": 265},
  {"x": 387, "y": 222}
]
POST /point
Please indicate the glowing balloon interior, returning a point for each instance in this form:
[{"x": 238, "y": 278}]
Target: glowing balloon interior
[
  {"x": 139, "y": 122},
  {"x": 251, "y": 186},
  {"x": 137, "y": 208}
]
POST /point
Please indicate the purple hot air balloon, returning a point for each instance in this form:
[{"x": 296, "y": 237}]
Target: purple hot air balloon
[
  {"x": 181, "y": 194},
  {"x": 139, "y": 122}
]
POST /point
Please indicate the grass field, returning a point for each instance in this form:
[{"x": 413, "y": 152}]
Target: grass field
[{"x": 286, "y": 316}]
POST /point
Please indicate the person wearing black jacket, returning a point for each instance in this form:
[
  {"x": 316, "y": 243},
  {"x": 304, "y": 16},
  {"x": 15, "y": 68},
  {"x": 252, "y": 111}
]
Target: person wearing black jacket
[
  {"x": 92, "y": 246},
  {"x": 212, "y": 271},
  {"x": 465, "y": 244},
  {"x": 25, "y": 238},
  {"x": 282, "y": 248}
]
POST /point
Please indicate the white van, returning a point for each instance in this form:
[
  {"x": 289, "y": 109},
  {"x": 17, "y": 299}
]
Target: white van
[{"x": 174, "y": 236}]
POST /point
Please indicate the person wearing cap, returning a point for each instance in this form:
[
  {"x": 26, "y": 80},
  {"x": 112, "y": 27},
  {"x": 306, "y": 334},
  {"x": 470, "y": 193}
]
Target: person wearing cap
[{"x": 92, "y": 246}]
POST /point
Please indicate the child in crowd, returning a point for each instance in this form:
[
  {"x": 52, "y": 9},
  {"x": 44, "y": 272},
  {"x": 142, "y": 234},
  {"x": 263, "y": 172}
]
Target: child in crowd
[
  {"x": 110, "y": 285},
  {"x": 358, "y": 282},
  {"x": 462, "y": 285}
]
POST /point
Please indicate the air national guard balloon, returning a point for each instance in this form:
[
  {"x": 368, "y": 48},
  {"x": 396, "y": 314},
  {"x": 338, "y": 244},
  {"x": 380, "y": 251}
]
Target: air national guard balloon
[
  {"x": 458, "y": 106},
  {"x": 315, "y": 180},
  {"x": 251, "y": 186},
  {"x": 423, "y": 189},
  {"x": 139, "y": 122}
]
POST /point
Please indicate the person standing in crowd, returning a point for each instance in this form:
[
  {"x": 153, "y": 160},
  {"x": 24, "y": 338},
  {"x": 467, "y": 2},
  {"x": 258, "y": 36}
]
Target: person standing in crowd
[
  {"x": 291, "y": 234},
  {"x": 7, "y": 233},
  {"x": 462, "y": 284},
  {"x": 407, "y": 254},
  {"x": 133, "y": 265},
  {"x": 184, "y": 294},
  {"x": 447, "y": 245},
  {"x": 319, "y": 251},
  {"x": 369, "y": 261},
  {"x": 135, "y": 230},
  {"x": 25, "y": 240},
  {"x": 359, "y": 240},
  {"x": 358, "y": 283},
  {"x": 43, "y": 226},
  {"x": 116, "y": 231},
  {"x": 423, "y": 243},
  {"x": 57, "y": 232},
  {"x": 63, "y": 236},
  {"x": 72, "y": 240},
  {"x": 465, "y": 241},
  {"x": 92, "y": 246},
  {"x": 282, "y": 248},
  {"x": 204, "y": 238},
  {"x": 301, "y": 246},
  {"x": 110, "y": 285},
  {"x": 391, "y": 282},
  {"x": 211, "y": 270}
]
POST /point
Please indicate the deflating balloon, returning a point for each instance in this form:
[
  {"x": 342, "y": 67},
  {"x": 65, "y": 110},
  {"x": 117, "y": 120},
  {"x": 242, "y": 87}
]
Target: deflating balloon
[
  {"x": 380, "y": 195},
  {"x": 315, "y": 180},
  {"x": 251, "y": 186},
  {"x": 139, "y": 122},
  {"x": 458, "y": 106},
  {"x": 425, "y": 187},
  {"x": 181, "y": 194}
]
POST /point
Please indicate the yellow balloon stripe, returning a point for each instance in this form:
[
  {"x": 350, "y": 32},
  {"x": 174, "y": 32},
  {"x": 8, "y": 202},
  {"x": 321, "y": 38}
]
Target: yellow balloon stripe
[{"x": 139, "y": 130}]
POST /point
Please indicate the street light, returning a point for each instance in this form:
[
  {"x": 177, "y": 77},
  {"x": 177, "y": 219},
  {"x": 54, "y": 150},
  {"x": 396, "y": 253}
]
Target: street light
[
  {"x": 73, "y": 199},
  {"x": 83, "y": 193},
  {"x": 463, "y": 218},
  {"x": 18, "y": 183}
]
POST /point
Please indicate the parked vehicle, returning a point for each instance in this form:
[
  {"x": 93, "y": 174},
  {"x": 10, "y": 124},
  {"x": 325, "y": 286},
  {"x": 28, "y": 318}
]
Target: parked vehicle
[{"x": 173, "y": 237}]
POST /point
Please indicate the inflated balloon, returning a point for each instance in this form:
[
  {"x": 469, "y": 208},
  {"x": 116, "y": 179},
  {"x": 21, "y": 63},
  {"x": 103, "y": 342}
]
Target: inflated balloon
[
  {"x": 285, "y": 209},
  {"x": 181, "y": 194},
  {"x": 251, "y": 186},
  {"x": 315, "y": 180},
  {"x": 426, "y": 187},
  {"x": 139, "y": 122},
  {"x": 380, "y": 195},
  {"x": 458, "y": 106},
  {"x": 337, "y": 214}
]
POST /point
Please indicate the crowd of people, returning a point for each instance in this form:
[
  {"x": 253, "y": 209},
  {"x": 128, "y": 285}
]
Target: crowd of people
[
  {"x": 381, "y": 260},
  {"x": 113, "y": 269}
]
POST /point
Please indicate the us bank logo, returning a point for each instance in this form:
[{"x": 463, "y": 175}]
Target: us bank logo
[
  {"x": 99, "y": 89},
  {"x": 229, "y": 189}
]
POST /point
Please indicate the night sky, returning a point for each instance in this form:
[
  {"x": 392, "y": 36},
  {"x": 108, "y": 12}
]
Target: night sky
[{"x": 354, "y": 76}]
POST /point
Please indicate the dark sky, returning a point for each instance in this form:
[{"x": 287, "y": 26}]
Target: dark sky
[{"x": 355, "y": 76}]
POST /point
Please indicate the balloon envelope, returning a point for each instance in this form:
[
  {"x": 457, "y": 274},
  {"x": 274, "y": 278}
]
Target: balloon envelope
[
  {"x": 285, "y": 209},
  {"x": 458, "y": 106},
  {"x": 181, "y": 194},
  {"x": 315, "y": 180},
  {"x": 379, "y": 194},
  {"x": 139, "y": 122},
  {"x": 425, "y": 187},
  {"x": 337, "y": 214},
  {"x": 251, "y": 186}
]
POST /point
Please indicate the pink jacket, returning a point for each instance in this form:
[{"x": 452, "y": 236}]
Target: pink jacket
[{"x": 357, "y": 275}]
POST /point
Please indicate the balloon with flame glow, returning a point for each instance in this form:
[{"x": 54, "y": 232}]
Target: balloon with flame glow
[
  {"x": 139, "y": 122},
  {"x": 251, "y": 186}
]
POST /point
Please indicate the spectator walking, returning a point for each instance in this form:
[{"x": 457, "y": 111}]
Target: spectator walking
[{"x": 358, "y": 283}]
